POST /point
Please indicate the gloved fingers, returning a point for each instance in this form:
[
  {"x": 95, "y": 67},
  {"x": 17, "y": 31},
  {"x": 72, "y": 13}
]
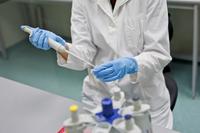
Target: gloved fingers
[
  {"x": 35, "y": 36},
  {"x": 60, "y": 40},
  {"x": 34, "y": 30},
  {"x": 51, "y": 35},
  {"x": 119, "y": 75},
  {"x": 114, "y": 73},
  {"x": 101, "y": 67},
  {"x": 41, "y": 40},
  {"x": 31, "y": 36},
  {"x": 104, "y": 72},
  {"x": 46, "y": 44}
]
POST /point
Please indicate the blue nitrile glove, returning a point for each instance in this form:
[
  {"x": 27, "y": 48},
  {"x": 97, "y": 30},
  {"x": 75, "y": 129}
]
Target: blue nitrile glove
[
  {"x": 116, "y": 69},
  {"x": 39, "y": 38}
]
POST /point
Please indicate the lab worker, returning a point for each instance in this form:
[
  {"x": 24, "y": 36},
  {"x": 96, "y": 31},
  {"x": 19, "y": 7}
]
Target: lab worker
[{"x": 127, "y": 41}]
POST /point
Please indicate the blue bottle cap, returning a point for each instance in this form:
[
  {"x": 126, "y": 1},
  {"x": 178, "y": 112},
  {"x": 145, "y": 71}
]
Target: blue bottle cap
[
  {"x": 127, "y": 117},
  {"x": 108, "y": 114},
  {"x": 107, "y": 107}
]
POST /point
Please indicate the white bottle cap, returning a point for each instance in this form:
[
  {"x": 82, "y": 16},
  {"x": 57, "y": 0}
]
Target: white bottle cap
[{"x": 116, "y": 93}]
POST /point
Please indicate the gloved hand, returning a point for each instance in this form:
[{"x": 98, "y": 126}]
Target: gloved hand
[
  {"x": 116, "y": 69},
  {"x": 39, "y": 38}
]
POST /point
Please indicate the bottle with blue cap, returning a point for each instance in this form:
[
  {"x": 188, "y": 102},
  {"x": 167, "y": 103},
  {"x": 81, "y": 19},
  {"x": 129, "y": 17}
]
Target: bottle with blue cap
[
  {"x": 108, "y": 113},
  {"x": 129, "y": 125}
]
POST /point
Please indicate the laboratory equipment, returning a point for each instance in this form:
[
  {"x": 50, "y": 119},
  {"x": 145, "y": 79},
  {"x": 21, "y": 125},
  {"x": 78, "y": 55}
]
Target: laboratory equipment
[
  {"x": 118, "y": 97},
  {"x": 140, "y": 111},
  {"x": 64, "y": 52},
  {"x": 127, "y": 119},
  {"x": 39, "y": 38},
  {"x": 108, "y": 113},
  {"x": 77, "y": 123},
  {"x": 104, "y": 117},
  {"x": 127, "y": 125},
  {"x": 58, "y": 47}
]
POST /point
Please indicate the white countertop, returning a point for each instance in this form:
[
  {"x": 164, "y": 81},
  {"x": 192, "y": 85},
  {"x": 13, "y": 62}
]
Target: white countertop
[{"x": 25, "y": 109}]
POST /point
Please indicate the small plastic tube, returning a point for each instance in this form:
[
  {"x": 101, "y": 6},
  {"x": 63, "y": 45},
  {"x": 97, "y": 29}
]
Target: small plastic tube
[
  {"x": 136, "y": 104},
  {"x": 74, "y": 113},
  {"x": 129, "y": 125},
  {"x": 117, "y": 93}
]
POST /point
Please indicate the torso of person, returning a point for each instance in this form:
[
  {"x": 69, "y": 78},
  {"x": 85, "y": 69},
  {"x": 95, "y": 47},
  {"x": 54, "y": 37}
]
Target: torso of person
[{"x": 119, "y": 32}]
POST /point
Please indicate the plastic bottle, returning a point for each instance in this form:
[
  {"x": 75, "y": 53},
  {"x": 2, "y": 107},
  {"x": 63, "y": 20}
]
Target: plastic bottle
[
  {"x": 126, "y": 125},
  {"x": 142, "y": 116},
  {"x": 108, "y": 113},
  {"x": 118, "y": 97},
  {"x": 77, "y": 122}
]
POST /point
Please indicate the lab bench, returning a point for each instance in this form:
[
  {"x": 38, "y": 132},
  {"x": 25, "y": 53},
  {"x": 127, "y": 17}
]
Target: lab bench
[{"x": 28, "y": 109}]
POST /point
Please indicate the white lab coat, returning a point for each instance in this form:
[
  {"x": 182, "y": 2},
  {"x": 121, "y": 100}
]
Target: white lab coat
[{"x": 136, "y": 28}]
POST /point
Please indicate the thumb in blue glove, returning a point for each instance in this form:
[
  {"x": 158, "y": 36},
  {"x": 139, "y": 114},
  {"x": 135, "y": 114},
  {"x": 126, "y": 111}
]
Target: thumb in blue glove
[
  {"x": 39, "y": 38},
  {"x": 116, "y": 69}
]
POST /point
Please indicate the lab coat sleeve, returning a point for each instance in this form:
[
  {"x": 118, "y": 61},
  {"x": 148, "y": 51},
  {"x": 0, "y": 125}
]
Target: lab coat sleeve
[
  {"x": 156, "y": 52},
  {"x": 81, "y": 45}
]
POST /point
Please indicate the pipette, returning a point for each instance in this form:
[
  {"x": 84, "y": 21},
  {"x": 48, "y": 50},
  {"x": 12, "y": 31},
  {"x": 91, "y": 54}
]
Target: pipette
[
  {"x": 63, "y": 52},
  {"x": 58, "y": 47}
]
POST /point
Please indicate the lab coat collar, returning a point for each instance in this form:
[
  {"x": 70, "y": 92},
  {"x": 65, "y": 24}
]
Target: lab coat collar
[
  {"x": 106, "y": 6},
  {"x": 118, "y": 4}
]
